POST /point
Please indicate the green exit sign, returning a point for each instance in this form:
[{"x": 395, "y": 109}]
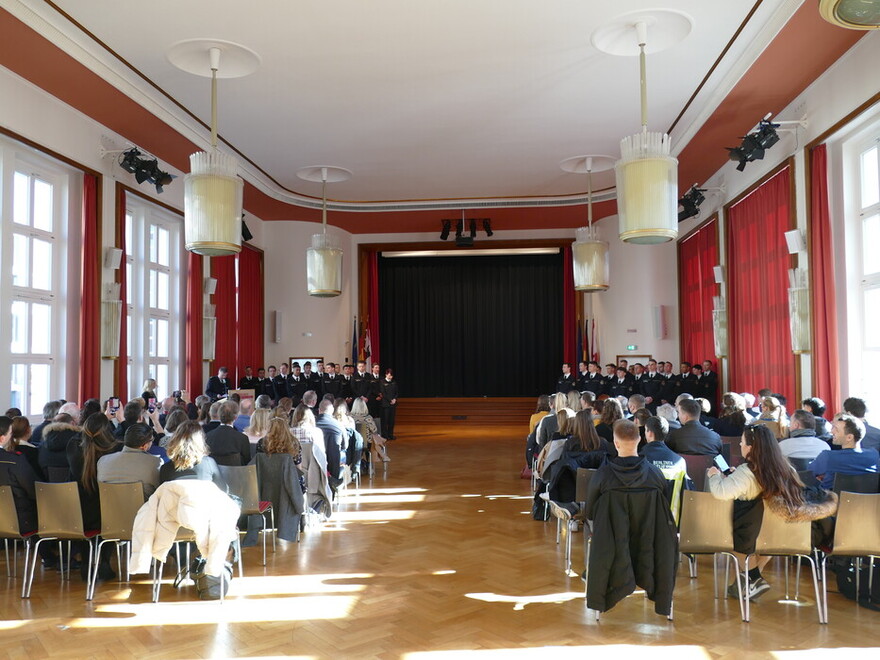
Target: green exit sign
[{"x": 631, "y": 347}]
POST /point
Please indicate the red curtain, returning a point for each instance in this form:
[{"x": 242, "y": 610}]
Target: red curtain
[
  {"x": 121, "y": 375},
  {"x": 194, "y": 313},
  {"x": 223, "y": 269},
  {"x": 373, "y": 305},
  {"x": 697, "y": 256},
  {"x": 757, "y": 276},
  {"x": 90, "y": 294},
  {"x": 569, "y": 323},
  {"x": 250, "y": 309},
  {"x": 826, "y": 379}
]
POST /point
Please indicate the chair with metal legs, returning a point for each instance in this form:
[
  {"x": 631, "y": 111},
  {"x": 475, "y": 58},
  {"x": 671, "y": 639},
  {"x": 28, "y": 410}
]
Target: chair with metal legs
[
  {"x": 779, "y": 538},
  {"x": 706, "y": 528},
  {"x": 119, "y": 506},
  {"x": 9, "y": 530},
  {"x": 856, "y": 534},
  {"x": 60, "y": 519},
  {"x": 243, "y": 483},
  {"x": 186, "y": 536}
]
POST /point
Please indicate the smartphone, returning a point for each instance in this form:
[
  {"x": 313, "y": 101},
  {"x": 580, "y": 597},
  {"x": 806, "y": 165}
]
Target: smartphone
[
  {"x": 176, "y": 394},
  {"x": 151, "y": 404},
  {"x": 722, "y": 465},
  {"x": 114, "y": 404}
]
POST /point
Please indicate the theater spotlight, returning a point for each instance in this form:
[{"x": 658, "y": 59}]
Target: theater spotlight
[
  {"x": 129, "y": 160},
  {"x": 690, "y": 203},
  {"x": 144, "y": 169},
  {"x": 459, "y": 229},
  {"x": 754, "y": 145},
  {"x": 487, "y": 226},
  {"x": 444, "y": 233}
]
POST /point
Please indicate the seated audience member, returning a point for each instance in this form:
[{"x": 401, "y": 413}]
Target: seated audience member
[
  {"x": 90, "y": 407},
  {"x": 49, "y": 411},
  {"x": 847, "y": 432},
  {"x": 243, "y": 419},
  {"x": 334, "y": 442},
  {"x": 587, "y": 399},
  {"x": 705, "y": 418},
  {"x": 541, "y": 411},
  {"x": 773, "y": 417},
  {"x": 310, "y": 399},
  {"x": 133, "y": 463},
  {"x": 564, "y": 422},
  {"x": 573, "y": 400},
  {"x": 213, "y": 417},
  {"x": 657, "y": 453},
  {"x": 635, "y": 540},
  {"x": 751, "y": 409},
  {"x": 354, "y": 442},
  {"x": 204, "y": 415},
  {"x": 817, "y": 408},
  {"x": 548, "y": 425},
  {"x": 667, "y": 412},
  {"x": 584, "y": 439},
  {"x": 766, "y": 478},
  {"x": 174, "y": 419},
  {"x": 733, "y": 417},
  {"x": 641, "y": 416},
  {"x": 263, "y": 402},
  {"x": 70, "y": 408},
  {"x": 188, "y": 457},
  {"x": 857, "y": 408},
  {"x": 19, "y": 443},
  {"x": 12, "y": 413},
  {"x": 635, "y": 402},
  {"x": 304, "y": 428},
  {"x": 284, "y": 408},
  {"x": 611, "y": 412},
  {"x": 259, "y": 425},
  {"x": 56, "y": 436},
  {"x": 802, "y": 441},
  {"x": 360, "y": 413},
  {"x": 17, "y": 473},
  {"x": 693, "y": 437},
  {"x": 224, "y": 442}
]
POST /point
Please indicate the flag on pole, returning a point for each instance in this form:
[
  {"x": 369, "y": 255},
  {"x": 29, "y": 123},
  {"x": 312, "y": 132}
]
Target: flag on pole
[
  {"x": 354, "y": 341},
  {"x": 588, "y": 354},
  {"x": 594, "y": 340},
  {"x": 367, "y": 349},
  {"x": 580, "y": 344}
]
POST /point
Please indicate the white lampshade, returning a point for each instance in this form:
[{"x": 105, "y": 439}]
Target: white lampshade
[
  {"x": 719, "y": 325},
  {"x": 647, "y": 189},
  {"x": 324, "y": 267},
  {"x": 799, "y": 315},
  {"x": 212, "y": 204},
  {"x": 591, "y": 267},
  {"x": 111, "y": 316}
]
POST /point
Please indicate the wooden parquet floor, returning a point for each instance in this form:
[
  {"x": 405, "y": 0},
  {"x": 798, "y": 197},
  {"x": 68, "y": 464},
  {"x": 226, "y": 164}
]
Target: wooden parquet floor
[{"x": 437, "y": 558}]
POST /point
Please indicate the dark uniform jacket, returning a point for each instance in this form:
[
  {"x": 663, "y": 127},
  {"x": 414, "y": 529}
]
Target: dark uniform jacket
[{"x": 566, "y": 384}]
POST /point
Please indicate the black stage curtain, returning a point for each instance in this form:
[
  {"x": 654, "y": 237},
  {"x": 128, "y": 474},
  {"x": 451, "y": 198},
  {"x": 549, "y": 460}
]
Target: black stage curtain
[{"x": 472, "y": 326}]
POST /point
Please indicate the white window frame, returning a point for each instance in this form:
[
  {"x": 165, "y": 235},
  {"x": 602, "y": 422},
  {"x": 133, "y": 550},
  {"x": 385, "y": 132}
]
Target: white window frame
[
  {"x": 141, "y": 215},
  {"x": 62, "y": 357}
]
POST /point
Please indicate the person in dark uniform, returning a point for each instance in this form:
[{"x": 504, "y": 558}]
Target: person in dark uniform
[
  {"x": 332, "y": 384},
  {"x": 699, "y": 387},
  {"x": 390, "y": 393},
  {"x": 249, "y": 381},
  {"x": 685, "y": 383},
  {"x": 346, "y": 389},
  {"x": 581, "y": 376},
  {"x": 710, "y": 383},
  {"x": 269, "y": 384},
  {"x": 594, "y": 382},
  {"x": 566, "y": 382},
  {"x": 374, "y": 397},
  {"x": 608, "y": 378},
  {"x": 282, "y": 388},
  {"x": 313, "y": 378},
  {"x": 651, "y": 386},
  {"x": 297, "y": 384},
  {"x": 218, "y": 385},
  {"x": 360, "y": 385},
  {"x": 638, "y": 379},
  {"x": 620, "y": 386}
]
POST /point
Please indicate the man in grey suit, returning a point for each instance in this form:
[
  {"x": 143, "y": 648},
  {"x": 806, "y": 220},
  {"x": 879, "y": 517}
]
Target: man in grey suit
[
  {"x": 693, "y": 437},
  {"x": 334, "y": 440},
  {"x": 133, "y": 463}
]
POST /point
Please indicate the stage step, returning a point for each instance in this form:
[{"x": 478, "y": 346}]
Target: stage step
[{"x": 465, "y": 410}]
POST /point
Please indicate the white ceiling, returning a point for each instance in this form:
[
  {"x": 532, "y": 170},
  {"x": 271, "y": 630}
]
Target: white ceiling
[{"x": 427, "y": 99}]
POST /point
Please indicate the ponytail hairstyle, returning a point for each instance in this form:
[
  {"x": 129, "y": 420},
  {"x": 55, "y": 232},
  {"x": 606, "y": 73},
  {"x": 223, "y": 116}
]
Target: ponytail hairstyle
[{"x": 96, "y": 442}]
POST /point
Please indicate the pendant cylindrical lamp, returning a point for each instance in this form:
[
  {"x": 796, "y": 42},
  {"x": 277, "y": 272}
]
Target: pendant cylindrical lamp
[
  {"x": 590, "y": 257},
  {"x": 212, "y": 204}
]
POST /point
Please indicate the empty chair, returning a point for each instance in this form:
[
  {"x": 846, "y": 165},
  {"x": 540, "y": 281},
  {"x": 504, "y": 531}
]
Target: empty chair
[
  {"x": 707, "y": 529},
  {"x": 9, "y": 529},
  {"x": 696, "y": 469},
  {"x": 120, "y": 503},
  {"x": 852, "y": 536},
  {"x": 856, "y": 483},
  {"x": 60, "y": 519},
  {"x": 242, "y": 482},
  {"x": 780, "y": 538}
]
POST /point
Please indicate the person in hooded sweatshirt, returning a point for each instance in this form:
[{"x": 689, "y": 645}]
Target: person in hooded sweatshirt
[{"x": 56, "y": 436}]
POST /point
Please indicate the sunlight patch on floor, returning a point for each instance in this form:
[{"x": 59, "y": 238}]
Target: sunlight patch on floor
[
  {"x": 383, "y": 499},
  {"x": 298, "y": 584},
  {"x": 384, "y": 491},
  {"x": 824, "y": 653},
  {"x": 612, "y": 651},
  {"x": 520, "y": 602},
  {"x": 362, "y": 516}
]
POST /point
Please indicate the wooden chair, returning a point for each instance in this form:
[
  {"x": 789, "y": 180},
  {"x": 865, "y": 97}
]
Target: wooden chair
[
  {"x": 9, "y": 529},
  {"x": 856, "y": 483},
  {"x": 60, "y": 519},
  {"x": 707, "y": 529},
  {"x": 799, "y": 464},
  {"x": 119, "y": 505},
  {"x": 242, "y": 482},
  {"x": 696, "y": 468},
  {"x": 853, "y": 537}
]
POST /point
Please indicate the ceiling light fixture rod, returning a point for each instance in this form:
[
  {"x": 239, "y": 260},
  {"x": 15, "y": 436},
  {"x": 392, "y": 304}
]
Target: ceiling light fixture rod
[
  {"x": 214, "y": 54},
  {"x": 324, "y": 198},
  {"x": 642, "y": 34},
  {"x": 589, "y": 165}
]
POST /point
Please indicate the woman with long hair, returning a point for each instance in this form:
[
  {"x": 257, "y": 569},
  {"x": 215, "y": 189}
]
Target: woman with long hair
[
  {"x": 773, "y": 416},
  {"x": 611, "y": 412},
  {"x": 259, "y": 425},
  {"x": 564, "y": 424},
  {"x": 733, "y": 418},
  {"x": 541, "y": 411},
  {"x": 188, "y": 457},
  {"x": 376, "y": 443},
  {"x": 90, "y": 407},
  {"x": 585, "y": 439},
  {"x": 19, "y": 443},
  {"x": 766, "y": 477}
]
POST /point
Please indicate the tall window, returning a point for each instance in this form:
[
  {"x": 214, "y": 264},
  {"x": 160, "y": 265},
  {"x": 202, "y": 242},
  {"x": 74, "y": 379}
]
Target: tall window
[
  {"x": 154, "y": 279},
  {"x": 34, "y": 197},
  {"x": 869, "y": 221}
]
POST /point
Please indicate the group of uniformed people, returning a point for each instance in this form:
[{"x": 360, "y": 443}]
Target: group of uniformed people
[{"x": 657, "y": 381}]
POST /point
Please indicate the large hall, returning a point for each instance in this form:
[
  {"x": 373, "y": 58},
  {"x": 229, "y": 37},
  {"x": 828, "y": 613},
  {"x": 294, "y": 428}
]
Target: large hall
[{"x": 475, "y": 197}]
